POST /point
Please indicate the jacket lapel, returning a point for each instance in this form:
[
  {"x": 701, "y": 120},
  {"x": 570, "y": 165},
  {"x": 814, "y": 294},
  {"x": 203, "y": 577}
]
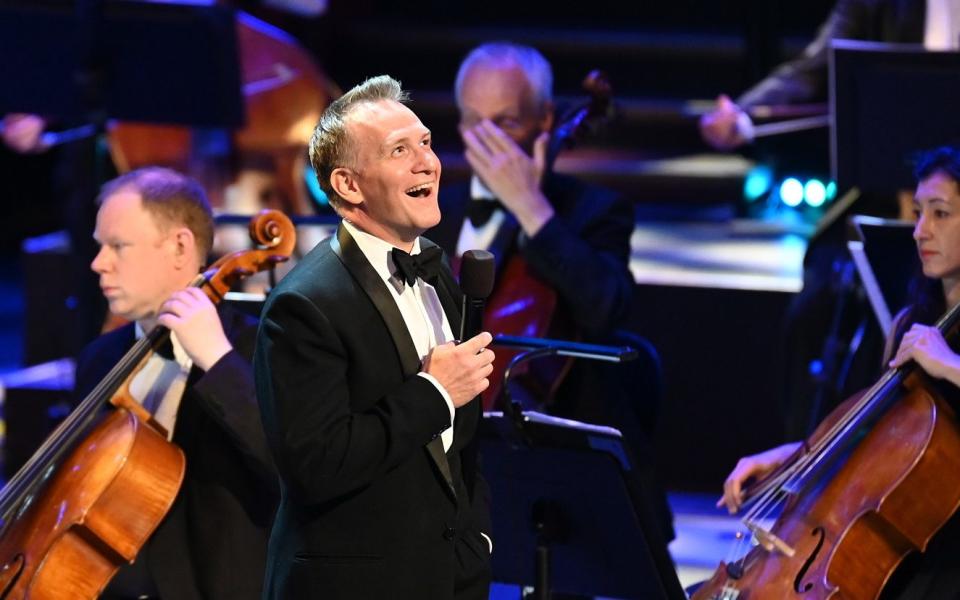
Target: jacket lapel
[{"x": 373, "y": 285}]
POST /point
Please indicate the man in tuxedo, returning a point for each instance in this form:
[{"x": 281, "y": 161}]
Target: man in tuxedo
[
  {"x": 368, "y": 404},
  {"x": 574, "y": 237},
  {"x": 155, "y": 229}
]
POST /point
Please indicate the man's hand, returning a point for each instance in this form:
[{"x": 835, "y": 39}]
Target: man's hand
[
  {"x": 193, "y": 317},
  {"x": 726, "y": 127},
  {"x": 926, "y": 346},
  {"x": 23, "y": 133},
  {"x": 462, "y": 369},
  {"x": 750, "y": 467},
  {"x": 513, "y": 176}
]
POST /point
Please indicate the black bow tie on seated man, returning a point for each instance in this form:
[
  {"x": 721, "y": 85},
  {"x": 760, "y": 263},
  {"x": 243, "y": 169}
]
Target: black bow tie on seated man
[
  {"x": 165, "y": 349},
  {"x": 480, "y": 211},
  {"x": 425, "y": 265}
]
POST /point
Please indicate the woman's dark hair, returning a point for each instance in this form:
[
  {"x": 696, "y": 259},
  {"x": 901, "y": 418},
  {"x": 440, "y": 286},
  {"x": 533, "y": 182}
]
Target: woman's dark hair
[{"x": 926, "y": 295}]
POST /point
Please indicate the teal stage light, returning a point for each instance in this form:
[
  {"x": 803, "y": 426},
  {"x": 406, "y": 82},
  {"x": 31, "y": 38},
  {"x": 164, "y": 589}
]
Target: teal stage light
[
  {"x": 831, "y": 190},
  {"x": 757, "y": 183},
  {"x": 310, "y": 177},
  {"x": 814, "y": 193},
  {"x": 791, "y": 192}
]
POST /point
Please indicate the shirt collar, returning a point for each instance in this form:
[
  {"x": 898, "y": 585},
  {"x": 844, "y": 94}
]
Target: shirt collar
[
  {"x": 179, "y": 353},
  {"x": 377, "y": 251},
  {"x": 479, "y": 190}
]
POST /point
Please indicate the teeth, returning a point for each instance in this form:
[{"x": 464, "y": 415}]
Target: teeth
[{"x": 417, "y": 188}]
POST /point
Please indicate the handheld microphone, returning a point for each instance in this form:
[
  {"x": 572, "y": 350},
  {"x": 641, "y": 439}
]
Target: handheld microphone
[{"x": 476, "y": 281}]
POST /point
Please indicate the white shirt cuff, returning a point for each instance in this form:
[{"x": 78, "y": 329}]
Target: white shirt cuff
[
  {"x": 489, "y": 541},
  {"x": 443, "y": 392}
]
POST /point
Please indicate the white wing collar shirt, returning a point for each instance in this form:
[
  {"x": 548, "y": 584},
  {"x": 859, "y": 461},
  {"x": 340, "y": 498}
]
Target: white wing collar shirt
[{"x": 419, "y": 305}]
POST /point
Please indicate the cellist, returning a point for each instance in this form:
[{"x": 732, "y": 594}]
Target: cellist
[
  {"x": 934, "y": 574},
  {"x": 154, "y": 229},
  {"x": 573, "y": 235}
]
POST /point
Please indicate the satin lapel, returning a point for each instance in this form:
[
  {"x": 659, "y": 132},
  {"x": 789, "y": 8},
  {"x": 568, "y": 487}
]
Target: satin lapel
[
  {"x": 376, "y": 289},
  {"x": 357, "y": 264},
  {"x": 447, "y": 292},
  {"x": 451, "y": 298}
]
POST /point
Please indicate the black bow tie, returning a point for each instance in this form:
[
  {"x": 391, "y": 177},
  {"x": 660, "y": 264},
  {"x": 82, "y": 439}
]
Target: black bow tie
[
  {"x": 425, "y": 265},
  {"x": 480, "y": 211},
  {"x": 165, "y": 349}
]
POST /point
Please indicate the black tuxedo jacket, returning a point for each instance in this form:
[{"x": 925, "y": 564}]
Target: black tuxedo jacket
[
  {"x": 367, "y": 509},
  {"x": 804, "y": 79},
  {"x": 213, "y": 542},
  {"x": 582, "y": 252}
]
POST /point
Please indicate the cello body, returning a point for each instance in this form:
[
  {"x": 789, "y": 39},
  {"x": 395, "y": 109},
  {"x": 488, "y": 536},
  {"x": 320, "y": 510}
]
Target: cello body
[
  {"x": 102, "y": 482},
  {"x": 852, "y": 527},
  {"x": 113, "y": 490}
]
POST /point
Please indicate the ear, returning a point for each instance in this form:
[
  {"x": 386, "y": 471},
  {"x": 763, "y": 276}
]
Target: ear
[
  {"x": 546, "y": 121},
  {"x": 184, "y": 248},
  {"x": 344, "y": 183}
]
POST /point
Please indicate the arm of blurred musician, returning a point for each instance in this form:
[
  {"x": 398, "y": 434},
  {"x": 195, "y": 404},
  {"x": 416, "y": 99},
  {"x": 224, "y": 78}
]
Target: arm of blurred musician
[
  {"x": 803, "y": 79},
  {"x": 23, "y": 133}
]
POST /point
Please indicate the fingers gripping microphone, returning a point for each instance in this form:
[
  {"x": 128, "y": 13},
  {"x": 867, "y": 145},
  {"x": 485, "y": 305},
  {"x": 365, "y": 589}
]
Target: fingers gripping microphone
[{"x": 476, "y": 281}]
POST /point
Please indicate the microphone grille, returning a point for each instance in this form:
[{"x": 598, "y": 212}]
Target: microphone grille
[{"x": 476, "y": 273}]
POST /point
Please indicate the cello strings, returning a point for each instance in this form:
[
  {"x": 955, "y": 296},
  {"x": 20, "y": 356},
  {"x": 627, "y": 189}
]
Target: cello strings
[
  {"x": 55, "y": 444},
  {"x": 65, "y": 434}
]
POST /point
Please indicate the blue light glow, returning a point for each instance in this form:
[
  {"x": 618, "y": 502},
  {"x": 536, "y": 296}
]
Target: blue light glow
[
  {"x": 757, "y": 183},
  {"x": 831, "y": 190},
  {"x": 791, "y": 191},
  {"x": 815, "y": 193}
]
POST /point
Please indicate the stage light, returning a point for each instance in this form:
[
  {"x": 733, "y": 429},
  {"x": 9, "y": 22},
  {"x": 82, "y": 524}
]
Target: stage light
[
  {"x": 313, "y": 186},
  {"x": 757, "y": 183},
  {"x": 831, "y": 190},
  {"x": 791, "y": 192},
  {"x": 814, "y": 193}
]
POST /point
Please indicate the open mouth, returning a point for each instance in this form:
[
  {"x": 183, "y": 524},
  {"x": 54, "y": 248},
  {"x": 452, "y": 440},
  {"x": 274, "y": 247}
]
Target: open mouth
[{"x": 420, "y": 191}]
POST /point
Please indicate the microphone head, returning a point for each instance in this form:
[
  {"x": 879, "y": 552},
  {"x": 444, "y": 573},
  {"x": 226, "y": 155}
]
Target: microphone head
[{"x": 476, "y": 273}]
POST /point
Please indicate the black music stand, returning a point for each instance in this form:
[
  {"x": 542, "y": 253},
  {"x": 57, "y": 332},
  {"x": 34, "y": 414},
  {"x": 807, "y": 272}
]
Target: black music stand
[
  {"x": 563, "y": 518},
  {"x": 89, "y": 60}
]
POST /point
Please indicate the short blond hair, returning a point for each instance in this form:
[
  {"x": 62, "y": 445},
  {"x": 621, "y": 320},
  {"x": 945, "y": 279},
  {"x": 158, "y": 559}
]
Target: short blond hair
[
  {"x": 172, "y": 199},
  {"x": 330, "y": 146}
]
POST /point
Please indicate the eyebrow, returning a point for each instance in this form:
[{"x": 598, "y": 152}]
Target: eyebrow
[
  {"x": 393, "y": 141},
  {"x": 934, "y": 200}
]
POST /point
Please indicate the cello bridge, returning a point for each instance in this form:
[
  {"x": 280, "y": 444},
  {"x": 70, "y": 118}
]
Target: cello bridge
[{"x": 769, "y": 541}]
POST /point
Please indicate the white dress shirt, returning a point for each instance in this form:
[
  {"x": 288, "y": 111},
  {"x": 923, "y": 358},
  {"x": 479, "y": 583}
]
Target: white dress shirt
[
  {"x": 480, "y": 238},
  {"x": 159, "y": 385},
  {"x": 942, "y": 25},
  {"x": 419, "y": 306}
]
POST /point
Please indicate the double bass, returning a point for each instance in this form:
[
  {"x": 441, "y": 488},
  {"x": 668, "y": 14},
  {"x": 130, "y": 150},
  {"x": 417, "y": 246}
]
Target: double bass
[
  {"x": 876, "y": 480},
  {"x": 100, "y": 484},
  {"x": 284, "y": 93}
]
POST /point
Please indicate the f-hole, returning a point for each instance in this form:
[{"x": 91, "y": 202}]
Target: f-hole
[
  {"x": 798, "y": 584},
  {"x": 10, "y": 575}
]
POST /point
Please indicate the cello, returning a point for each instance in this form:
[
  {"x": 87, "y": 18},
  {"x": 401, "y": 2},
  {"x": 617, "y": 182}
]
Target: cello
[
  {"x": 100, "y": 484},
  {"x": 522, "y": 304},
  {"x": 876, "y": 480}
]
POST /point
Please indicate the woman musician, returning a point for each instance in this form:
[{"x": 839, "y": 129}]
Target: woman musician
[{"x": 935, "y": 573}]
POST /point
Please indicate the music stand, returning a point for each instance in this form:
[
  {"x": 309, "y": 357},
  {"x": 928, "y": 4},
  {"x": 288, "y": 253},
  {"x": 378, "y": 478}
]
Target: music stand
[
  {"x": 138, "y": 61},
  {"x": 563, "y": 518},
  {"x": 885, "y": 256}
]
